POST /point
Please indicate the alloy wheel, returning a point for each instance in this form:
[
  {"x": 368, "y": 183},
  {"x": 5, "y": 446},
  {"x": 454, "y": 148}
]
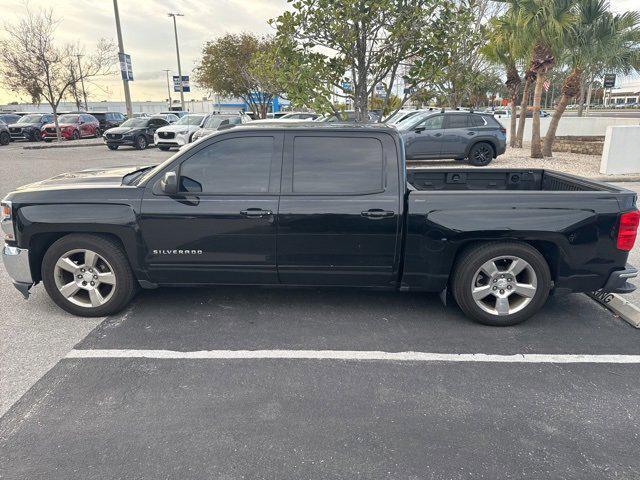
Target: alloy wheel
[
  {"x": 85, "y": 278},
  {"x": 504, "y": 285}
]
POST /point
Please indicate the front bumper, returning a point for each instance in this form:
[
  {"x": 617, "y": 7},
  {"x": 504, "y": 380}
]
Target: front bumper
[
  {"x": 618, "y": 280},
  {"x": 16, "y": 262},
  {"x": 178, "y": 140},
  {"x": 119, "y": 141}
]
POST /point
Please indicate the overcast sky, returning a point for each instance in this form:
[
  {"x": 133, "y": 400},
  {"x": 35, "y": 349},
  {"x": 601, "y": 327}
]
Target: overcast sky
[{"x": 148, "y": 34}]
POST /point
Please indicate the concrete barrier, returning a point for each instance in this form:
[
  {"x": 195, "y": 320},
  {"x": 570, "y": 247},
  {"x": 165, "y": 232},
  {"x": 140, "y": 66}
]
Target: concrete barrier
[
  {"x": 621, "y": 151},
  {"x": 574, "y": 126}
]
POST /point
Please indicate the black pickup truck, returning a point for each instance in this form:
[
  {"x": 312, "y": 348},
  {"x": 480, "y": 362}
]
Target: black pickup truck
[{"x": 319, "y": 205}]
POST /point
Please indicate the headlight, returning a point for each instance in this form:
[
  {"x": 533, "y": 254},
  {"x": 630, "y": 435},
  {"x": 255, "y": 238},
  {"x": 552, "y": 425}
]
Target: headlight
[
  {"x": 182, "y": 132},
  {"x": 6, "y": 220}
]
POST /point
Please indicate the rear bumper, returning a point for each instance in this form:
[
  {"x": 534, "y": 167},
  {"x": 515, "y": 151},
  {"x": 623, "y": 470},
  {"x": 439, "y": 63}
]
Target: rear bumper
[
  {"x": 16, "y": 262},
  {"x": 618, "y": 281}
]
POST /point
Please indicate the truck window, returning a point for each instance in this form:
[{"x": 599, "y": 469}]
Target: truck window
[
  {"x": 234, "y": 165},
  {"x": 337, "y": 165}
]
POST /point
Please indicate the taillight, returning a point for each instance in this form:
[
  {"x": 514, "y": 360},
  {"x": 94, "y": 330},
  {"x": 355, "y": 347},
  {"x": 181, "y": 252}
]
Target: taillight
[
  {"x": 627, "y": 230},
  {"x": 503, "y": 130}
]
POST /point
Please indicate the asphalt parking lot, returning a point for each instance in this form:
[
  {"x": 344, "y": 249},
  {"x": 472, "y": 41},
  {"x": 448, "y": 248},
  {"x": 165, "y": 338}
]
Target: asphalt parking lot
[{"x": 235, "y": 382}]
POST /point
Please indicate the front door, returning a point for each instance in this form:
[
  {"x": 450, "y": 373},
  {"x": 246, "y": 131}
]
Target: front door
[
  {"x": 221, "y": 227},
  {"x": 340, "y": 210},
  {"x": 425, "y": 139}
]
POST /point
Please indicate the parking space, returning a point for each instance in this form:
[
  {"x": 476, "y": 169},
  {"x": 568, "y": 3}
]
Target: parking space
[{"x": 207, "y": 404}]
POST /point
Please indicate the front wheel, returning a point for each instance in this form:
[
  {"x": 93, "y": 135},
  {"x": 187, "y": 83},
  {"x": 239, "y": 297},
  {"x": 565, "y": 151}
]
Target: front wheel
[
  {"x": 88, "y": 275},
  {"x": 5, "y": 138},
  {"x": 502, "y": 283},
  {"x": 75, "y": 135},
  {"x": 480, "y": 154}
]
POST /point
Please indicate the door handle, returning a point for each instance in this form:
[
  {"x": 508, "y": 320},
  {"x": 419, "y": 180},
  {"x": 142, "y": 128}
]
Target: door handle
[
  {"x": 376, "y": 213},
  {"x": 471, "y": 133},
  {"x": 255, "y": 213},
  {"x": 437, "y": 134}
]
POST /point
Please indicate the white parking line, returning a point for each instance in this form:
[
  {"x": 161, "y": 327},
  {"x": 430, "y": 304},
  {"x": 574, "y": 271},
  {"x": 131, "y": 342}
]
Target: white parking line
[{"x": 356, "y": 355}]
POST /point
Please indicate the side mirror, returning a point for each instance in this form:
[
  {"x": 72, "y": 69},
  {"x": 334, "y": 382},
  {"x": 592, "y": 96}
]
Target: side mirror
[
  {"x": 419, "y": 129},
  {"x": 169, "y": 183}
]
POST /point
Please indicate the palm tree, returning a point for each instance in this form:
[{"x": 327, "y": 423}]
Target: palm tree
[
  {"x": 600, "y": 39},
  {"x": 503, "y": 48},
  {"x": 529, "y": 79},
  {"x": 544, "y": 25}
]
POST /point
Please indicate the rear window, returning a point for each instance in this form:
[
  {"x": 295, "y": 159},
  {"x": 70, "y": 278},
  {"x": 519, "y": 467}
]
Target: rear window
[
  {"x": 333, "y": 165},
  {"x": 456, "y": 121},
  {"x": 476, "y": 121}
]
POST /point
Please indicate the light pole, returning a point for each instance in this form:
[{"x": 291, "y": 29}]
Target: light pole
[
  {"x": 125, "y": 82},
  {"x": 175, "y": 31},
  {"x": 166, "y": 70},
  {"x": 84, "y": 92}
]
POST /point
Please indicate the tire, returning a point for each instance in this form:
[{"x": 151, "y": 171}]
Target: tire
[
  {"x": 75, "y": 135},
  {"x": 141, "y": 143},
  {"x": 5, "y": 138},
  {"x": 164, "y": 148},
  {"x": 37, "y": 136},
  {"x": 481, "y": 154},
  {"x": 525, "y": 292},
  {"x": 113, "y": 293},
  {"x": 112, "y": 147}
]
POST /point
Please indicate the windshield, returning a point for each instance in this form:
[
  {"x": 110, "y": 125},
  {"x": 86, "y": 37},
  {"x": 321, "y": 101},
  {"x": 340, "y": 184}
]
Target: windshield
[
  {"x": 412, "y": 121},
  {"x": 30, "y": 119},
  {"x": 190, "y": 120},
  {"x": 68, "y": 119},
  {"x": 135, "y": 122},
  {"x": 214, "y": 121}
]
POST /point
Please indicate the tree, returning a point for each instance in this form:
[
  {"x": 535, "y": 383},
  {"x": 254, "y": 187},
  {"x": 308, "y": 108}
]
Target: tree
[
  {"x": 544, "y": 24},
  {"x": 600, "y": 38},
  {"x": 241, "y": 65},
  {"x": 32, "y": 62},
  {"x": 346, "y": 49},
  {"x": 504, "y": 49}
]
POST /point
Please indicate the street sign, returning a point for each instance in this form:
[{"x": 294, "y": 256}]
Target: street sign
[
  {"x": 185, "y": 83},
  {"x": 126, "y": 70},
  {"x": 609, "y": 80}
]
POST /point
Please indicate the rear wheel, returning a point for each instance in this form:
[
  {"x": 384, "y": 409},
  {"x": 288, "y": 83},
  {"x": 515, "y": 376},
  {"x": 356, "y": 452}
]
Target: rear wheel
[
  {"x": 480, "y": 154},
  {"x": 502, "y": 283},
  {"x": 88, "y": 275},
  {"x": 5, "y": 138},
  {"x": 141, "y": 143}
]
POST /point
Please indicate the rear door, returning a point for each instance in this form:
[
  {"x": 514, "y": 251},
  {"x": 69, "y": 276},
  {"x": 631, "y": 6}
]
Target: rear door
[
  {"x": 456, "y": 134},
  {"x": 221, "y": 227},
  {"x": 340, "y": 209}
]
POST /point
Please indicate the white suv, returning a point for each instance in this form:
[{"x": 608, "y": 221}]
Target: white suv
[{"x": 179, "y": 133}]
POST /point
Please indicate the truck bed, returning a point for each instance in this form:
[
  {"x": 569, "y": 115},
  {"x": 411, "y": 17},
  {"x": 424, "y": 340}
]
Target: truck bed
[{"x": 502, "y": 179}]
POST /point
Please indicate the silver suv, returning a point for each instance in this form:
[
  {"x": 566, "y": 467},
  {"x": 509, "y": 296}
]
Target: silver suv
[{"x": 460, "y": 135}]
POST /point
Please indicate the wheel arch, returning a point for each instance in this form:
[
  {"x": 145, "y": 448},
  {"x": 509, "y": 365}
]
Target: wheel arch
[{"x": 476, "y": 141}]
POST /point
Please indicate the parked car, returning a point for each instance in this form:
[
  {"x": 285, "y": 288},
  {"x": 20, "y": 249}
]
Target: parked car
[
  {"x": 402, "y": 115},
  {"x": 459, "y": 135},
  {"x": 346, "y": 116},
  {"x": 323, "y": 205},
  {"x": 274, "y": 115},
  {"x": 137, "y": 132},
  {"x": 28, "y": 126},
  {"x": 300, "y": 116},
  {"x": 73, "y": 126},
  {"x": 179, "y": 133},
  {"x": 5, "y": 137},
  {"x": 177, "y": 113},
  {"x": 139, "y": 115},
  {"x": 9, "y": 118},
  {"x": 109, "y": 119},
  {"x": 168, "y": 117},
  {"x": 219, "y": 121}
]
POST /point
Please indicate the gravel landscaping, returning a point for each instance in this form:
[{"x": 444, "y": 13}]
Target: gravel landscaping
[{"x": 579, "y": 164}]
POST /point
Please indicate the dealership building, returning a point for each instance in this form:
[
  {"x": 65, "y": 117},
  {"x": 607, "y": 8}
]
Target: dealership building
[{"x": 624, "y": 95}]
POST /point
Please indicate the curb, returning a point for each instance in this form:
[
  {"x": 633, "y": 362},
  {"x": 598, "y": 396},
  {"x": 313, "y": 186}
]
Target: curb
[
  {"x": 62, "y": 145},
  {"x": 626, "y": 310}
]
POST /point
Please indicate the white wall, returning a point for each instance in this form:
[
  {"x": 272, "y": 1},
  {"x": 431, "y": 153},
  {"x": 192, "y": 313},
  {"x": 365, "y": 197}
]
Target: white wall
[
  {"x": 621, "y": 152},
  {"x": 574, "y": 125}
]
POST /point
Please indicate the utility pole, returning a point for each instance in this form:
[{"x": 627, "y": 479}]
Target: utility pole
[
  {"x": 168, "y": 88},
  {"x": 84, "y": 92},
  {"x": 125, "y": 82},
  {"x": 175, "y": 31}
]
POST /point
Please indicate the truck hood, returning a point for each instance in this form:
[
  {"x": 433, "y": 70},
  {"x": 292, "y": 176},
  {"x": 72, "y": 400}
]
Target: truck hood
[{"x": 97, "y": 177}]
